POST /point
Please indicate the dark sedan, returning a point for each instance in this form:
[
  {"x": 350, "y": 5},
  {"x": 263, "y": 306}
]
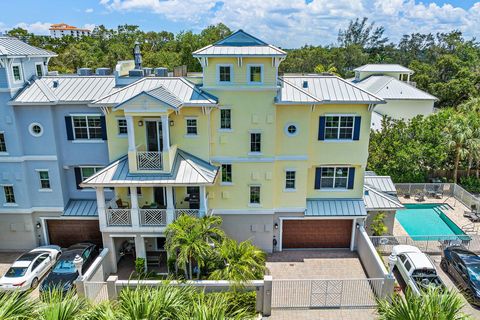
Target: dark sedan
[
  {"x": 464, "y": 267},
  {"x": 63, "y": 273}
]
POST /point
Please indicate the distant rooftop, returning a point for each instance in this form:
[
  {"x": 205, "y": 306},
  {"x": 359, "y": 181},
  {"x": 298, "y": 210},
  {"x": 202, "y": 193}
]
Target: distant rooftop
[
  {"x": 13, "y": 47},
  {"x": 64, "y": 26},
  {"x": 383, "y": 68},
  {"x": 240, "y": 43}
]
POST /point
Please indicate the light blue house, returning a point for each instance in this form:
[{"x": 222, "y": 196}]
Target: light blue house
[{"x": 50, "y": 140}]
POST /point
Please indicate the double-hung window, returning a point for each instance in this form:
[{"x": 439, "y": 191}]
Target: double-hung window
[
  {"x": 225, "y": 73},
  {"x": 255, "y": 74},
  {"x": 44, "y": 179},
  {"x": 255, "y": 142},
  {"x": 334, "y": 178},
  {"x": 290, "y": 179},
  {"x": 87, "y": 127},
  {"x": 192, "y": 127},
  {"x": 226, "y": 119},
  {"x": 122, "y": 126},
  {"x": 39, "y": 69},
  {"x": 17, "y": 72},
  {"x": 9, "y": 194},
  {"x": 226, "y": 173},
  {"x": 3, "y": 145},
  {"x": 254, "y": 194},
  {"x": 339, "y": 127},
  {"x": 87, "y": 172}
]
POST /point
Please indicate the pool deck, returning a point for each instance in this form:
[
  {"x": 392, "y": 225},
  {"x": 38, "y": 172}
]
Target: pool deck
[{"x": 455, "y": 213}]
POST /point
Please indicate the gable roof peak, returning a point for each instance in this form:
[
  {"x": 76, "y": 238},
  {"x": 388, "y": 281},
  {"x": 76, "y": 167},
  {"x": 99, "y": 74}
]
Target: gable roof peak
[{"x": 240, "y": 38}]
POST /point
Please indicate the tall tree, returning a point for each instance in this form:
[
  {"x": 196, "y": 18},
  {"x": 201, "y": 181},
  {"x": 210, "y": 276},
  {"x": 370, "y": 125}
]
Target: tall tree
[{"x": 363, "y": 34}]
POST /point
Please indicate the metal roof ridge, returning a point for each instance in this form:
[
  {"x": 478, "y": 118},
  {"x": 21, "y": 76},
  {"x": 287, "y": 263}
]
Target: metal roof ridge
[
  {"x": 381, "y": 194},
  {"x": 197, "y": 90},
  {"x": 119, "y": 90},
  {"x": 191, "y": 163},
  {"x": 363, "y": 90},
  {"x": 108, "y": 167},
  {"x": 301, "y": 90}
]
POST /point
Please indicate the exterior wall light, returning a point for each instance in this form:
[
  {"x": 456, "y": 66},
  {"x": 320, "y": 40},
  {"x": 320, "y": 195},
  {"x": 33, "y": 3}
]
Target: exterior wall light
[
  {"x": 38, "y": 225},
  {"x": 140, "y": 123},
  {"x": 172, "y": 123},
  {"x": 275, "y": 226}
]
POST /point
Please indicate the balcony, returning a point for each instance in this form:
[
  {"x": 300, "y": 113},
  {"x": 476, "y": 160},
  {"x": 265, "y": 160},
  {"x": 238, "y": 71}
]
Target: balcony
[
  {"x": 149, "y": 160},
  {"x": 148, "y": 217}
]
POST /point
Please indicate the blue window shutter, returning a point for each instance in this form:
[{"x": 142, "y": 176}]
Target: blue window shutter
[
  {"x": 351, "y": 178},
  {"x": 321, "y": 129},
  {"x": 78, "y": 177},
  {"x": 68, "y": 126},
  {"x": 318, "y": 175},
  {"x": 104, "y": 127},
  {"x": 356, "y": 132}
]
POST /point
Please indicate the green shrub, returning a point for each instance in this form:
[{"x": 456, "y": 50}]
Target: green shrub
[
  {"x": 378, "y": 226},
  {"x": 140, "y": 265},
  {"x": 471, "y": 184}
]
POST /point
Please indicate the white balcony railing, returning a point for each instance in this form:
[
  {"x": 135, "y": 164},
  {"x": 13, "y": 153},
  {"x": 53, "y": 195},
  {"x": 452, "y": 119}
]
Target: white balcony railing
[
  {"x": 153, "y": 217},
  {"x": 119, "y": 217},
  {"x": 149, "y": 160},
  {"x": 190, "y": 212}
]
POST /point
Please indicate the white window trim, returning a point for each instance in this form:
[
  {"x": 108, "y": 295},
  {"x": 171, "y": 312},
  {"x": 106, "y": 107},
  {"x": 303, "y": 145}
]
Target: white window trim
[
  {"x": 222, "y": 183},
  {"x": 256, "y": 205},
  {"x": 121, "y": 135},
  {"x": 286, "y": 129},
  {"x": 338, "y": 132},
  {"x": 41, "y": 66},
  {"x": 254, "y": 153},
  {"x": 285, "y": 189},
  {"x": 40, "y": 181},
  {"x": 249, "y": 73},
  {"x": 83, "y": 140},
  {"x": 190, "y": 135},
  {"x": 231, "y": 73},
  {"x": 20, "y": 70},
  {"x": 220, "y": 129},
  {"x": 30, "y": 129},
  {"x": 81, "y": 173},
  {"x": 334, "y": 177},
  {"x": 4, "y": 153},
  {"x": 9, "y": 204}
]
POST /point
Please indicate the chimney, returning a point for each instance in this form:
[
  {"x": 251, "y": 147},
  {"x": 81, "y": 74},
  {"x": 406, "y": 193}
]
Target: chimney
[{"x": 137, "y": 56}]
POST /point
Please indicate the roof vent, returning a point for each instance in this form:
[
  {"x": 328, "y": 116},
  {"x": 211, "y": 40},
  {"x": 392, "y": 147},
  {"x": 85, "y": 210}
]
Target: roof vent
[
  {"x": 52, "y": 73},
  {"x": 305, "y": 84},
  {"x": 103, "y": 71},
  {"x": 366, "y": 192},
  {"x": 56, "y": 83},
  {"x": 147, "y": 71},
  {"x": 161, "y": 72},
  {"x": 135, "y": 73},
  {"x": 85, "y": 71}
]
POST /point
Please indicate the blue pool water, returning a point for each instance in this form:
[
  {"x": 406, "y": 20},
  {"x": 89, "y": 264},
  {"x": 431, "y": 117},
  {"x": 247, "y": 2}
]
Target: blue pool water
[{"x": 426, "y": 220}]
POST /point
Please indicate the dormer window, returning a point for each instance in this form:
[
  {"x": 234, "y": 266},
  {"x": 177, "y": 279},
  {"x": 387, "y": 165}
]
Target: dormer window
[
  {"x": 255, "y": 74},
  {"x": 225, "y": 73},
  {"x": 17, "y": 72}
]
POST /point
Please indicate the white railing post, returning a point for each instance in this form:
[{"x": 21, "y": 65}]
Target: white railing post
[
  {"x": 170, "y": 206},
  {"x": 203, "y": 200},
  {"x": 134, "y": 210},
  {"x": 111, "y": 288},
  {"x": 130, "y": 133},
  {"x": 102, "y": 216},
  {"x": 165, "y": 133},
  {"x": 267, "y": 296},
  {"x": 140, "y": 250}
]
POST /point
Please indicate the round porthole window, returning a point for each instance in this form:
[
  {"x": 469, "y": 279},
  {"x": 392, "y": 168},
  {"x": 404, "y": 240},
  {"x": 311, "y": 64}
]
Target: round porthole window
[
  {"x": 291, "y": 129},
  {"x": 36, "y": 129}
]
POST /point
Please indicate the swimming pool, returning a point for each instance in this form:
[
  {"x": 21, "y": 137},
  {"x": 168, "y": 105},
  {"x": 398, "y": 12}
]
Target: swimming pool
[{"x": 427, "y": 220}]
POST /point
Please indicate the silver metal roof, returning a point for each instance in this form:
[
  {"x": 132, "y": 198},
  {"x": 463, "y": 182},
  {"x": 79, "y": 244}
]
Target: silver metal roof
[
  {"x": 66, "y": 89},
  {"x": 181, "y": 89},
  {"x": 381, "y": 183},
  {"x": 81, "y": 208},
  {"x": 13, "y": 47},
  {"x": 187, "y": 170},
  {"x": 336, "y": 208},
  {"x": 239, "y": 43},
  {"x": 163, "y": 94},
  {"x": 389, "y": 88},
  {"x": 322, "y": 90},
  {"x": 383, "y": 67},
  {"x": 377, "y": 200}
]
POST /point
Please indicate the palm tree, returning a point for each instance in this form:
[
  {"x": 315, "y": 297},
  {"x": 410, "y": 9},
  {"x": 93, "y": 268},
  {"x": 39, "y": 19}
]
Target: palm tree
[
  {"x": 57, "y": 305},
  {"x": 243, "y": 261},
  {"x": 457, "y": 132},
  {"x": 16, "y": 306},
  {"x": 433, "y": 304},
  {"x": 191, "y": 239}
]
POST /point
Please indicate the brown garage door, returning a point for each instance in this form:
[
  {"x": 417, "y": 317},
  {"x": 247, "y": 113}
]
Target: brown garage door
[
  {"x": 67, "y": 232},
  {"x": 316, "y": 233}
]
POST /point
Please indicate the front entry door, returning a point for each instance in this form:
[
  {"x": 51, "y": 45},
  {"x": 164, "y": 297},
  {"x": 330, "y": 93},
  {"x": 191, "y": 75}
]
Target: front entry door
[
  {"x": 154, "y": 136},
  {"x": 159, "y": 196}
]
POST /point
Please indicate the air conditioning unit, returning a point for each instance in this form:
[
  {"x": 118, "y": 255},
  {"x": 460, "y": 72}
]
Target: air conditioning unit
[
  {"x": 135, "y": 73},
  {"x": 85, "y": 71},
  {"x": 103, "y": 71},
  {"x": 161, "y": 72},
  {"x": 147, "y": 71}
]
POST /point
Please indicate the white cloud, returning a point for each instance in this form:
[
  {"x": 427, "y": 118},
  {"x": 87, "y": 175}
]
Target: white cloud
[
  {"x": 89, "y": 26},
  {"x": 89, "y": 10},
  {"x": 36, "y": 27}
]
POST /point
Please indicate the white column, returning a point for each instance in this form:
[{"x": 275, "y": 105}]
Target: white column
[
  {"x": 170, "y": 205},
  {"x": 109, "y": 242},
  {"x": 135, "y": 209},
  {"x": 102, "y": 213},
  {"x": 140, "y": 250},
  {"x": 203, "y": 201},
  {"x": 165, "y": 133},
  {"x": 131, "y": 133},
  {"x": 353, "y": 239}
]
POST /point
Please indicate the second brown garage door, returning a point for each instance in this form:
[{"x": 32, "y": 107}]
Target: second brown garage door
[
  {"x": 67, "y": 232},
  {"x": 316, "y": 234}
]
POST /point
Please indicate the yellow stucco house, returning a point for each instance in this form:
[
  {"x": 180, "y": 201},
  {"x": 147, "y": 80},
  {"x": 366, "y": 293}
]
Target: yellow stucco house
[{"x": 281, "y": 159}]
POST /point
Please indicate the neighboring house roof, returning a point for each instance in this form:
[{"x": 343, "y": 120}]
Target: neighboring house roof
[
  {"x": 382, "y": 183},
  {"x": 320, "y": 89},
  {"x": 390, "y": 88},
  {"x": 378, "y": 200},
  {"x": 377, "y": 118},
  {"x": 186, "y": 170},
  {"x": 64, "y": 26},
  {"x": 383, "y": 67},
  {"x": 335, "y": 207},
  {"x": 13, "y": 47},
  {"x": 81, "y": 208},
  {"x": 239, "y": 43},
  {"x": 65, "y": 89},
  {"x": 174, "y": 88}
]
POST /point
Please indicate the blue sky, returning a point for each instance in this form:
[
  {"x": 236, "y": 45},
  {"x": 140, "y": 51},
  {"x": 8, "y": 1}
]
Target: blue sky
[{"x": 287, "y": 23}]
